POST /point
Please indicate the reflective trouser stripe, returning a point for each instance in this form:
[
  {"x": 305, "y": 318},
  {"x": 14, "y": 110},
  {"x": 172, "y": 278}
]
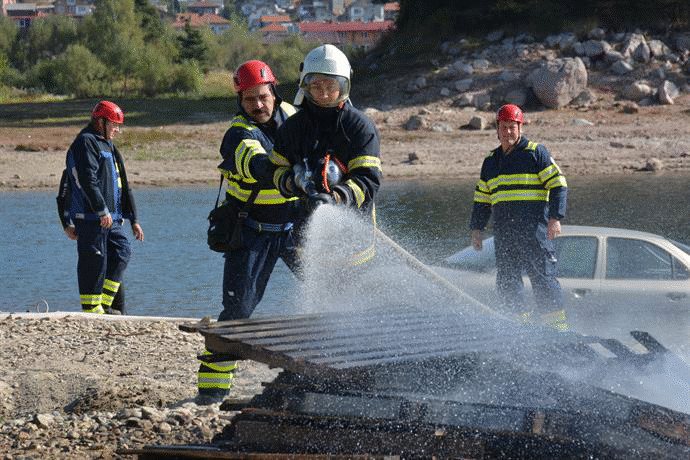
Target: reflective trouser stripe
[
  {"x": 556, "y": 319},
  {"x": 216, "y": 376},
  {"x": 215, "y": 380},
  {"x": 91, "y": 303},
  {"x": 363, "y": 256},
  {"x": 110, "y": 288}
]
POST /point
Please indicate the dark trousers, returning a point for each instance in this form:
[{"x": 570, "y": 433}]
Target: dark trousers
[
  {"x": 518, "y": 253},
  {"x": 245, "y": 276},
  {"x": 103, "y": 253},
  {"x": 248, "y": 269}
]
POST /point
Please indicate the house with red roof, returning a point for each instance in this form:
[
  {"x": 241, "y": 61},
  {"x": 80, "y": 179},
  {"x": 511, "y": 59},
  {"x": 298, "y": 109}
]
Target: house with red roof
[
  {"x": 217, "y": 24},
  {"x": 363, "y": 35},
  {"x": 204, "y": 8}
]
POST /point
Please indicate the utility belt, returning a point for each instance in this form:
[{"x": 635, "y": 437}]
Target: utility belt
[{"x": 264, "y": 227}]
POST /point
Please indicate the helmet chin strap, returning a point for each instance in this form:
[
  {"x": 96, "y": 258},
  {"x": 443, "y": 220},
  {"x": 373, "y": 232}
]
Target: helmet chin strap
[{"x": 100, "y": 126}]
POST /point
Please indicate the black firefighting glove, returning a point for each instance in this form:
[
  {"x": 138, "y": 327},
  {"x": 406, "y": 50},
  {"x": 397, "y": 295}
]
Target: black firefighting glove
[
  {"x": 286, "y": 184},
  {"x": 340, "y": 195},
  {"x": 316, "y": 200}
]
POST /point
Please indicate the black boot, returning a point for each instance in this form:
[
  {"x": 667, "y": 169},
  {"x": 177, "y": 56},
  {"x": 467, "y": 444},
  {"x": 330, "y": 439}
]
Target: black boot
[{"x": 118, "y": 306}]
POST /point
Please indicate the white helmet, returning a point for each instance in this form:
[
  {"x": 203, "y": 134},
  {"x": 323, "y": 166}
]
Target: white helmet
[{"x": 325, "y": 60}]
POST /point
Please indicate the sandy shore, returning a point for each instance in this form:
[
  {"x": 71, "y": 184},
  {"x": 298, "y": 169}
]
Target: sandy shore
[{"x": 602, "y": 140}]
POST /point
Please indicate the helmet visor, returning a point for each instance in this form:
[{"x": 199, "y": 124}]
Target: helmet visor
[{"x": 326, "y": 90}]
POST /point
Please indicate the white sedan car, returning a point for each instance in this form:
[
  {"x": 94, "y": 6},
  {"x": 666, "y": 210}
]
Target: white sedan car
[{"x": 607, "y": 274}]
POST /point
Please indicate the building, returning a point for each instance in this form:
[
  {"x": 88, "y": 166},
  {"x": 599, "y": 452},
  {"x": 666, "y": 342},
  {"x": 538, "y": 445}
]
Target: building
[
  {"x": 24, "y": 13},
  {"x": 204, "y": 8},
  {"x": 391, "y": 10},
  {"x": 361, "y": 35},
  {"x": 3, "y": 4},
  {"x": 217, "y": 24},
  {"x": 365, "y": 11},
  {"x": 74, "y": 8}
]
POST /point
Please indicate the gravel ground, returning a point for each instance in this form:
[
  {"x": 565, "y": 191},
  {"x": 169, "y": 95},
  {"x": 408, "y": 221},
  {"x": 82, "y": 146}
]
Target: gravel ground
[{"x": 77, "y": 386}]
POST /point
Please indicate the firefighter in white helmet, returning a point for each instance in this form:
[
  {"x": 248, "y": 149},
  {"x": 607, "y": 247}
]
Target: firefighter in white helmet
[{"x": 331, "y": 141}]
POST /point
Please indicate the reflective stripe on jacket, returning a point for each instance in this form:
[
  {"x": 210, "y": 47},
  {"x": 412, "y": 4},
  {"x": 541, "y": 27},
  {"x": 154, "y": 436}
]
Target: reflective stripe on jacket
[
  {"x": 243, "y": 143},
  {"x": 526, "y": 185},
  {"x": 98, "y": 180}
]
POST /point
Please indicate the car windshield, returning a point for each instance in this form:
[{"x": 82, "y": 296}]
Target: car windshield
[{"x": 471, "y": 259}]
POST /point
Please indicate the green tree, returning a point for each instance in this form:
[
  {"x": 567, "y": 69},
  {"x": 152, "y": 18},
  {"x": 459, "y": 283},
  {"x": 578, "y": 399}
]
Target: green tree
[
  {"x": 238, "y": 45},
  {"x": 76, "y": 72},
  {"x": 285, "y": 58},
  {"x": 8, "y": 34},
  {"x": 151, "y": 23},
  {"x": 113, "y": 34},
  {"x": 229, "y": 9},
  {"x": 193, "y": 47},
  {"x": 49, "y": 36},
  {"x": 80, "y": 73},
  {"x": 154, "y": 72},
  {"x": 186, "y": 78}
]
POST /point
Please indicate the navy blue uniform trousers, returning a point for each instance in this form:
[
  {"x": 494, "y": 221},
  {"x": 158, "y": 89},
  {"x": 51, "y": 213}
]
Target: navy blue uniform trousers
[
  {"x": 103, "y": 253},
  {"x": 248, "y": 269},
  {"x": 519, "y": 252}
]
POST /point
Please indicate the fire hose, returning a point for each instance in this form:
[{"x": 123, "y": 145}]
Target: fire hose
[
  {"x": 304, "y": 182},
  {"x": 427, "y": 271}
]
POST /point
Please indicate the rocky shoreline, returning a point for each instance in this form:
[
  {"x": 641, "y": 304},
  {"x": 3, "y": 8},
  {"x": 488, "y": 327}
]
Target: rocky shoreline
[{"x": 75, "y": 386}]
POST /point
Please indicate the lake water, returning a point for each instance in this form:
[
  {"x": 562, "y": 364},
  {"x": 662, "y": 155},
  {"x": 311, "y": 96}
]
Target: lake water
[{"x": 173, "y": 273}]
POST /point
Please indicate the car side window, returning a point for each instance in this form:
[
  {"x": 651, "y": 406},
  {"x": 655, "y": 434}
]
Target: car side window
[
  {"x": 636, "y": 259},
  {"x": 680, "y": 271},
  {"x": 577, "y": 256}
]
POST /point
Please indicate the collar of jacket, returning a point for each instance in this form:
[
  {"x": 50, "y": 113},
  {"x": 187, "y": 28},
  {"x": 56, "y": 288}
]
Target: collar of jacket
[
  {"x": 521, "y": 144},
  {"x": 327, "y": 119},
  {"x": 91, "y": 129}
]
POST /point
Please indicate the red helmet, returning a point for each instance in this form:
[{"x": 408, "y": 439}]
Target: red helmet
[
  {"x": 109, "y": 111},
  {"x": 252, "y": 73},
  {"x": 509, "y": 112}
]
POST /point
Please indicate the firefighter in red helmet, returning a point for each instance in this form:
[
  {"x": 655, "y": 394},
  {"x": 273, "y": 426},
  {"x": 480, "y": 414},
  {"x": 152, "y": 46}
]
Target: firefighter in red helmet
[
  {"x": 96, "y": 198},
  {"x": 266, "y": 233},
  {"x": 523, "y": 188}
]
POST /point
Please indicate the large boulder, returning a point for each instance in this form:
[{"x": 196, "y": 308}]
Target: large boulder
[
  {"x": 667, "y": 92},
  {"x": 559, "y": 81},
  {"x": 636, "y": 47},
  {"x": 637, "y": 91}
]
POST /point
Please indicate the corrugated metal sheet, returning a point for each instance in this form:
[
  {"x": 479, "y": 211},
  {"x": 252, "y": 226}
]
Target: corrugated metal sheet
[{"x": 340, "y": 343}]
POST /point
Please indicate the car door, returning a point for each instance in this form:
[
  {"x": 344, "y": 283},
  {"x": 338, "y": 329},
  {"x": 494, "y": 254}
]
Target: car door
[
  {"x": 642, "y": 276},
  {"x": 579, "y": 268}
]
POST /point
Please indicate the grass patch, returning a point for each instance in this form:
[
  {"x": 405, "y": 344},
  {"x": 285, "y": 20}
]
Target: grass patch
[
  {"x": 217, "y": 84},
  {"x": 134, "y": 137},
  {"x": 138, "y": 112}
]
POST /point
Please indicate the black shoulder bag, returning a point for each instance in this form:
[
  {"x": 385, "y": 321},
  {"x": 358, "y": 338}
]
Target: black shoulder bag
[{"x": 225, "y": 222}]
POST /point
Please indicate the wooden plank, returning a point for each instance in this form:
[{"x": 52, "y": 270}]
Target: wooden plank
[
  {"x": 365, "y": 340},
  {"x": 270, "y": 321},
  {"x": 664, "y": 422},
  {"x": 339, "y": 435},
  {"x": 317, "y": 338}
]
